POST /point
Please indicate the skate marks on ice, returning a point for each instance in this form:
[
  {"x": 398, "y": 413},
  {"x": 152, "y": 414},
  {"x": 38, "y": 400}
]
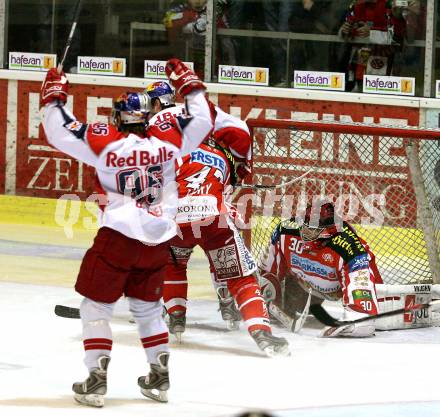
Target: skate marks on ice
[
  {"x": 11, "y": 366},
  {"x": 196, "y": 346},
  {"x": 66, "y": 401},
  {"x": 12, "y": 247},
  {"x": 209, "y": 339},
  {"x": 401, "y": 409}
]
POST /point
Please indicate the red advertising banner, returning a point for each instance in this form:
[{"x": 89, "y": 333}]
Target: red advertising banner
[
  {"x": 3, "y": 128},
  {"x": 43, "y": 172}
]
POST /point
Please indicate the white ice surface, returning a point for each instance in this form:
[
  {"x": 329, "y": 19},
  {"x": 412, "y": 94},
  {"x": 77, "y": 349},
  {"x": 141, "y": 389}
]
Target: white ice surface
[{"x": 215, "y": 373}]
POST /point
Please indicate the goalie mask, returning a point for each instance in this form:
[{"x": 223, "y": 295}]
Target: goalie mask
[
  {"x": 319, "y": 222},
  {"x": 129, "y": 110},
  {"x": 161, "y": 91}
]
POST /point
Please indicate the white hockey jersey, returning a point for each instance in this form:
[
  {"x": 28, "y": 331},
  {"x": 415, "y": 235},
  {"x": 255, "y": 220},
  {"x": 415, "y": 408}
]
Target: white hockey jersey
[{"x": 136, "y": 173}]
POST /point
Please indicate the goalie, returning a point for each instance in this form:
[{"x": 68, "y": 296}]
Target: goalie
[{"x": 320, "y": 261}]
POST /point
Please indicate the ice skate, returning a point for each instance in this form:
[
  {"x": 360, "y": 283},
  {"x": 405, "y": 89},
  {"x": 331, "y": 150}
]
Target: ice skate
[
  {"x": 177, "y": 324},
  {"x": 228, "y": 309},
  {"x": 156, "y": 384},
  {"x": 269, "y": 344},
  {"x": 91, "y": 392}
]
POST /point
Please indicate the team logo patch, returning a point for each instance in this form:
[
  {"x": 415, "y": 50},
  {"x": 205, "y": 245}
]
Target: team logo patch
[
  {"x": 225, "y": 261},
  {"x": 74, "y": 126},
  {"x": 328, "y": 257},
  {"x": 358, "y": 262}
]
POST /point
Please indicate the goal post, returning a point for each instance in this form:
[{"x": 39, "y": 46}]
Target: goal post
[{"x": 385, "y": 180}]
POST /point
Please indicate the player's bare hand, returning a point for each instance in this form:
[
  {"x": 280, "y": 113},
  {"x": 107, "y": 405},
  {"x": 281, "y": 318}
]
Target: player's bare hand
[
  {"x": 346, "y": 29},
  {"x": 363, "y": 31}
]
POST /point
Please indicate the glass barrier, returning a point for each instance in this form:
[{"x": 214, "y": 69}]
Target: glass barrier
[
  {"x": 354, "y": 37},
  {"x": 436, "y": 75},
  {"x": 376, "y": 37}
]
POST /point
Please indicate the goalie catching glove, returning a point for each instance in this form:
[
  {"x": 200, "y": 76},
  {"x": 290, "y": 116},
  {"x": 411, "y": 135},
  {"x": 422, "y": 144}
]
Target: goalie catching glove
[
  {"x": 182, "y": 78},
  {"x": 55, "y": 87}
]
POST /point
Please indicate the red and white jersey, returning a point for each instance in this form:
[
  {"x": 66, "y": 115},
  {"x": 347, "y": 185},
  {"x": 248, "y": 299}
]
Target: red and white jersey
[
  {"x": 229, "y": 131},
  {"x": 342, "y": 267},
  {"x": 204, "y": 174},
  {"x": 136, "y": 173}
]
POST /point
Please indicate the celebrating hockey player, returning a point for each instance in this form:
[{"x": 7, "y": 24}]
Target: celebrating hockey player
[
  {"x": 204, "y": 217},
  {"x": 325, "y": 259},
  {"x": 136, "y": 170}
]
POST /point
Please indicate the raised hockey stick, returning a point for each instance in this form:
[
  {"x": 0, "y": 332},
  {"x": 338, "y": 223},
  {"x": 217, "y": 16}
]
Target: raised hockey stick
[
  {"x": 274, "y": 187},
  {"x": 67, "y": 312},
  {"x": 72, "y": 32},
  {"x": 322, "y": 316}
]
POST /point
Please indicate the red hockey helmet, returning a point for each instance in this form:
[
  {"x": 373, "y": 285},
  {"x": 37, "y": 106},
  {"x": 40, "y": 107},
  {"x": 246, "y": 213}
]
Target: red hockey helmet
[{"x": 319, "y": 222}]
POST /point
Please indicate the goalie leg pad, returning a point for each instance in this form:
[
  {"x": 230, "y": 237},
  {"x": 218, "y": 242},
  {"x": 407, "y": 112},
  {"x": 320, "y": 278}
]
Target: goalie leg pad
[{"x": 393, "y": 297}]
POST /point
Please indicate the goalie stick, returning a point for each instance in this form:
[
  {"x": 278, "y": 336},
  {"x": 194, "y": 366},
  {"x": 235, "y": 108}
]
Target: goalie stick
[
  {"x": 325, "y": 318},
  {"x": 72, "y": 32},
  {"x": 67, "y": 312}
]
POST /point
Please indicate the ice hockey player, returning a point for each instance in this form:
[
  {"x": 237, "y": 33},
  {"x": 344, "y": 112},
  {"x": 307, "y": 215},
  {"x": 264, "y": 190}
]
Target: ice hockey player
[
  {"x": 236, "y": 133},
  {"x": 327, "y": 259},
  {"x": 324, "y": 259},
  {"x": 205, "y": 219},
  {"x": 135, "y": 168}
]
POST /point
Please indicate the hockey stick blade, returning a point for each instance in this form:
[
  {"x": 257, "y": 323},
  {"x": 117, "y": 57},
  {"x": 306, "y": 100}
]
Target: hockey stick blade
[
  {"x": 67, "y": 312},
  {"x": 322, "y": 316}
]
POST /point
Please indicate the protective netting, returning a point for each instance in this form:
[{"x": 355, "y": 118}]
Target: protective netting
[{"x": 385, "y": 186}]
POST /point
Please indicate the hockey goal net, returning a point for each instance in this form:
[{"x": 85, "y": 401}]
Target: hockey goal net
[{"x": 385, "y": 180}]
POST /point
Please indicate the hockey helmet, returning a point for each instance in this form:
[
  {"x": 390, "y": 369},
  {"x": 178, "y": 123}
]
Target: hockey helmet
[
  {"x": 319, "y": 222},
  {"x": 130, "y": 109},
  {"x": 163, "y": 91},
  {"x": 197, "y": 5}
]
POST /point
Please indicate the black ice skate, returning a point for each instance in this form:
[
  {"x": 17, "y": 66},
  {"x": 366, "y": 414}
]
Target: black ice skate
[
  {"x": 156, "y": 384},
  {"x": 228, "y": 309},
  {"x": 269, "y": 344},
  {"x": 177, "y": 324},
  {"x": 91, "y": 392}
]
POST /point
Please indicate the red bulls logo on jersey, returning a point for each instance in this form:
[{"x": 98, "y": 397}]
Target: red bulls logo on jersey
[{"x": 138, "y": 158}]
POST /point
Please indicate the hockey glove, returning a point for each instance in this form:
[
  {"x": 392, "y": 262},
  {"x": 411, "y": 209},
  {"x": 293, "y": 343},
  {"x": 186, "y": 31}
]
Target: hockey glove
[
  {"x": 55, "y": 87},
  {"x": 243, "y": 169},
  {"x": 182, "y": 78}
]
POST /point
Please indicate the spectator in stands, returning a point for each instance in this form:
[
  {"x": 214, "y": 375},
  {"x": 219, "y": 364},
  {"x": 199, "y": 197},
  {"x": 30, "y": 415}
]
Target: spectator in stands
[
  {"x": 310, "y": 16},
  {"x": 42, "y": 41},
  {"x": 186, "y": 27},
  {"x": 263, "y": 15},
  {"x": 376, "y": 30}
]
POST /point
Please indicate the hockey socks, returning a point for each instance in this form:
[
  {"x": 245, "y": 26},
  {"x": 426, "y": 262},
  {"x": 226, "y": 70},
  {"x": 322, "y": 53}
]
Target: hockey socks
[
  {"x": 152, "y": 329},
  {"x": 247, "y": 294},
  {"x": 97, "y": 335}
]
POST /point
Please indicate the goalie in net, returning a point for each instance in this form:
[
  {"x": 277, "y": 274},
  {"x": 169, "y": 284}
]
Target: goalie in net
[{"x": 324, "y": 259}]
